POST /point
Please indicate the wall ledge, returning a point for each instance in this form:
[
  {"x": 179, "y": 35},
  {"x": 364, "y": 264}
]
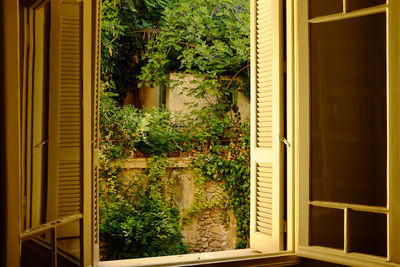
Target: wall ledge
[{"x": 142, "y": 163}]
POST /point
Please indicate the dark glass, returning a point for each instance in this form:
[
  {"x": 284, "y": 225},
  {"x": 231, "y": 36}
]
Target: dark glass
[
  {"x": 368, "y": 233},
  {"x": 319, "y": 8},
  {"x": 348, "y": 111},
  {"x": 35, "y": 251},
  {"x": 326, "y": 227},
  {"x": 39, "y": 114},
  {"x": 358, "y": 4},
  {"x": 69, "y": 240}
]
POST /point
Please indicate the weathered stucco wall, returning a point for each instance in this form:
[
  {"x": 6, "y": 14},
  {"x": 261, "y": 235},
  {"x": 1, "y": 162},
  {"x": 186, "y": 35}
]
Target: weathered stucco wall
[
  {"x": 206, "y": 232},
  {"x": 177, "y": 100},
  {"x": 149, "y": 96}
]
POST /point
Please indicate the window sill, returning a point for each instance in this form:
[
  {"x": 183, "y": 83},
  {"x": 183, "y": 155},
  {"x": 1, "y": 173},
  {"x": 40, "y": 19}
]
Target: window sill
[
  {"x": 339, "y": 257},
  {"x": 241, "y": 257}
]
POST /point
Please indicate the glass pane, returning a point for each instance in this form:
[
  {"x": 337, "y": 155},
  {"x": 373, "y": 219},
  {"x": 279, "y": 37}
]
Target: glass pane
[
  {"x": 40, "y": 113},
  {"x": 69, "y": 244},
  {"x": 326, "y": 227},
  {"x": 368, "y": 232},
  {"x": 348, "y": 111},
  {"x": 324, "y": 7},
  {"x": 35, "y": 251},
  {"x": 358, "y": 4}
]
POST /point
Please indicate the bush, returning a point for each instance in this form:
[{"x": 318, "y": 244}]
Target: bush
[
  {"x": 126, "y": 130},
  {"x": 138, "y": 218}
]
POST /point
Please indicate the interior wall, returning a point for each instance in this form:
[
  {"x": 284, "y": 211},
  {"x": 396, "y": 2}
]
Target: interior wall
[
  {"x": 2, "y": 139},
  {"x": 9, "y": 132}
]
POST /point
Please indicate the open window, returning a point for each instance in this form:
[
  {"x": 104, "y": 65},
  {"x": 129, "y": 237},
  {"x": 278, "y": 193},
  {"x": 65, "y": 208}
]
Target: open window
[
  {"x": 347, "y": 155},
  {"x": 56, "y": 215},
  {"x": 346, "y": 108}
]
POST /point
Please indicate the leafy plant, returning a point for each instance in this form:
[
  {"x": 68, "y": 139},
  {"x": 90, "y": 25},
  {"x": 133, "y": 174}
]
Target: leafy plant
[
  {"x": 127, "y": 26},
  {"x": 126, "y": 130},
  {"x": 138, "y": 218},
  {"x": 208, "y": 38}
]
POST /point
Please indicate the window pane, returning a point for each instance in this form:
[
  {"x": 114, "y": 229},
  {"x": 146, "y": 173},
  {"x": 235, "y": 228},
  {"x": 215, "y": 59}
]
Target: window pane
[
  {"x": 35, "y": 251},
  {"x": 324, "y": 7},
  {"x": 326, "y": 227},
  {"x": 348, "y": 111},
  {"x": 368, "y": 232},
  {"x": 358, "y": 4},
  {"x": 69, "y": 244},
  {"x": 40, "y": 106}
]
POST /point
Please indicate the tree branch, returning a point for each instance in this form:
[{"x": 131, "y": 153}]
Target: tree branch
[{"x": 237, "y": 73}]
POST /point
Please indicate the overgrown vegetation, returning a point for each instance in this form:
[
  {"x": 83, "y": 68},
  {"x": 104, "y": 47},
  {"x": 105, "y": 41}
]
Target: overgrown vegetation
[
  {"x": 210, "y": 40},
  {"x": 127, "y": 26},
  {"x": 139, "y": 218}
]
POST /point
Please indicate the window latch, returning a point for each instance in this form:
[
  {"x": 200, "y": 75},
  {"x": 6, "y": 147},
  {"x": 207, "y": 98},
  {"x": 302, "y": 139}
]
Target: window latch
[{"x": 285, "y": 141}]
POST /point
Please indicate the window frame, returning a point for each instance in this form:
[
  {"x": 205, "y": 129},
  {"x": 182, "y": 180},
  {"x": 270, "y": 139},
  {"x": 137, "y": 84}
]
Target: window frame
[
  {"x": 296, "y": 42},
  {"x": 302, "y": 130}
]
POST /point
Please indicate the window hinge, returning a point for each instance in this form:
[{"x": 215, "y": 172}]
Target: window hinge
[
  {"x": 285, "y": 141},
  {"x": 285, "y": 226}
]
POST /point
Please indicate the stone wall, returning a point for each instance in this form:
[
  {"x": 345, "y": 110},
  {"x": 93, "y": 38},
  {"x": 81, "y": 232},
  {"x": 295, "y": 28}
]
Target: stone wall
[{"x": 207, "y": 232}]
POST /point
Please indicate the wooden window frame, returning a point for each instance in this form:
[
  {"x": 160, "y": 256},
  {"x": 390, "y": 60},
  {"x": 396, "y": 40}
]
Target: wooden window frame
[
  {"x": 302, "y": 130},
  {"x": 296, "y": 95},
  {"x": 244, "y": 254},
  {"x": 82, "y": 219}
]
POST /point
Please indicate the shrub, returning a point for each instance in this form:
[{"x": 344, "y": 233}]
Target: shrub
[{"x": 137, "y": 217}]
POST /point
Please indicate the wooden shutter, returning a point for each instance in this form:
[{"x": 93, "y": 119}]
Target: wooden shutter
[
  {"x": 266, "y": 230},
  {"x": 65, "y": 182}
]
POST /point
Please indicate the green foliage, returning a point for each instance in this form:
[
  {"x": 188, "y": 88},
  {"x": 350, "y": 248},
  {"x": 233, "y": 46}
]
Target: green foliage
[
  {"x": 126, "y": 130},
  {"x": 205, "y": 37},
  {"x": 210, "y": 40},
  {"x": 127, "y": 25},
  {"x": 228, "y": 163},
  {"x": 138, "y": 218},
  {"x": 219, "y": 141}
]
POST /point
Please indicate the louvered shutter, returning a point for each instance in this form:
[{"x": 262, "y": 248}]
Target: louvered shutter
[
  {"x": 65, "y": 177},
  {"x": 266, "y": 229}
]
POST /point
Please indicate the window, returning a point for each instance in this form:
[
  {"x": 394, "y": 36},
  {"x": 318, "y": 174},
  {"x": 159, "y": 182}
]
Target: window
[
  {"x": 360, "y": 129},
  {"x": 345, "y": 131},
  {"x": 55, "y": 143}
]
